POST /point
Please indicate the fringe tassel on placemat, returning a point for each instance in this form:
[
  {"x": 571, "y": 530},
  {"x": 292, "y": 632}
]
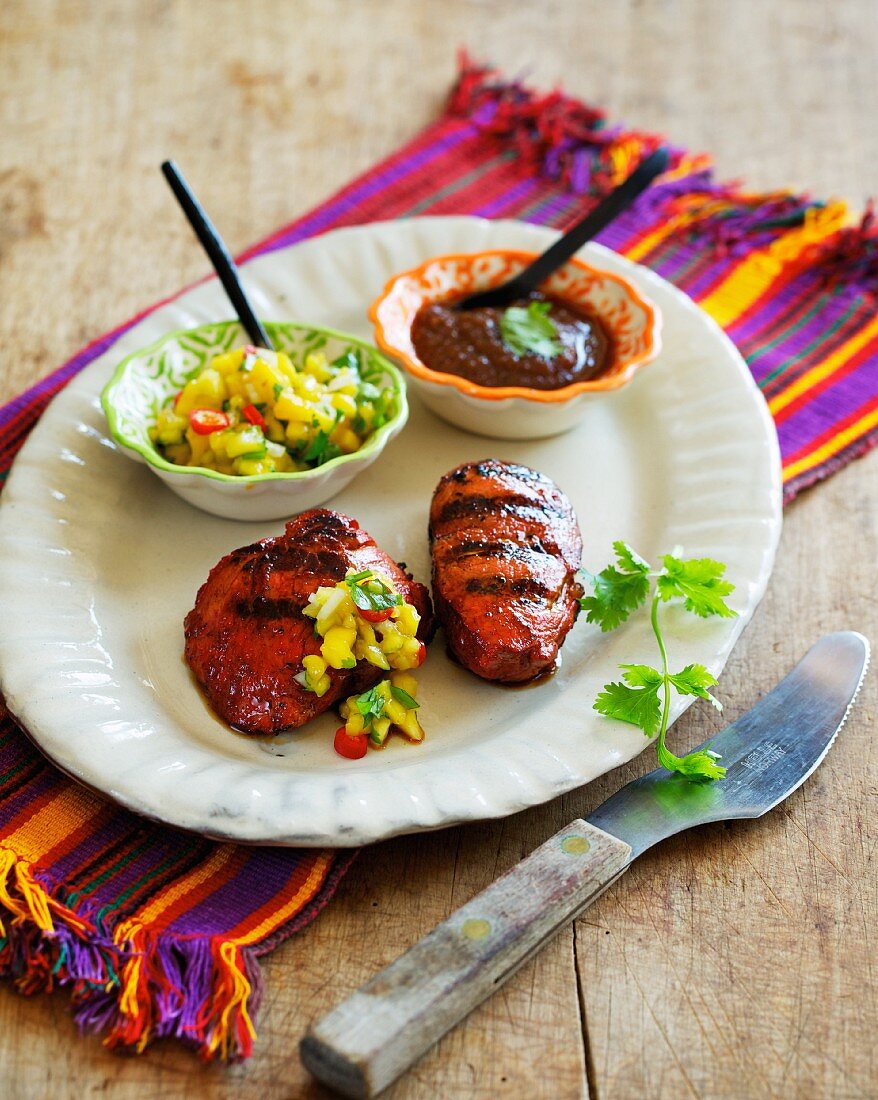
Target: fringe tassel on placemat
[
  {"x": 570, "y": 142},
  {"x": 203, "y": 992},
  {"x": 851, "y": 256},
  {"x": 135, "y": 986},
  {"x": 564, "y": 138}
]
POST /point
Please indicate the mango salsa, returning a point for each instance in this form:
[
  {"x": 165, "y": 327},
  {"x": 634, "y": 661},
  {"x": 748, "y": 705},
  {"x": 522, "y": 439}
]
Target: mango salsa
[
  {"x": 363, "y": 618},
  {"x": 253, "y": 411},
  {"x": 391, "y": 704}
]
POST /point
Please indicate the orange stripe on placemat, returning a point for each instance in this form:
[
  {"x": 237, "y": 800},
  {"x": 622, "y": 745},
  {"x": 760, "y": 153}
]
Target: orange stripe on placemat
[
  {"x": 270, "y": 918},
  {"x": 20, "y": 820},
  {"x": 823, "y": 370},
  {"x": 756, "y": 272},
  {"x": 59, "y": 821},
  {"x": 858, "y": 424},
  {"x": 105, "y": 813},
  {"x": 653, "y": 238},
  {"x": 62, "y": 813},
  {"x": 167, "y": 904}
]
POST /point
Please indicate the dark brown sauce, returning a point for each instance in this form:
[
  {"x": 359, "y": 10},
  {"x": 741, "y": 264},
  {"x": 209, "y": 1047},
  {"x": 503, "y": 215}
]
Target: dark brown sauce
[{"x": 469, "y": 343}]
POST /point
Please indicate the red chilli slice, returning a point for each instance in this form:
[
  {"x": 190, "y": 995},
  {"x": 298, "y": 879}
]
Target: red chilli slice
[
  {"x": 375, "y": 616},
  {"x": 254, "y": 416},
  {"x": 205, "y": 421},
  {"x": 352, "y": 748}
]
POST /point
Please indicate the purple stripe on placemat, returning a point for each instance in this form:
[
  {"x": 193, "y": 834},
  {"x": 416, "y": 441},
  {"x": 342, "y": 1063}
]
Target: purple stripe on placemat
[
  {"x": 685, "y": 266},
  {"x": 117, "y": 826},
  {"x": 326, "y": 215},
  {"x": 764, "y": 315},
  {"x": 342, "y": 861},
  {"x": 784, "y": 362},
  {"x": 38, "y": 786},
  {"x": 815, "y": 416},
  {"x": 709, "y": 275},
  {"x": 274, "y": 876},
  {"x": 553, "y": 210},
  {"x": 106, "y": 898}
]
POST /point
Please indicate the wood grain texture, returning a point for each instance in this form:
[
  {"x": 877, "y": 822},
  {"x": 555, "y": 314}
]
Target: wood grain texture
[{"x": 733, "y": 961}]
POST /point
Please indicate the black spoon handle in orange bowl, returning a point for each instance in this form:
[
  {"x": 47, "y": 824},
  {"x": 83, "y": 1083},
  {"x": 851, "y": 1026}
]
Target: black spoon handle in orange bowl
[{"x": 588, "y": 227}]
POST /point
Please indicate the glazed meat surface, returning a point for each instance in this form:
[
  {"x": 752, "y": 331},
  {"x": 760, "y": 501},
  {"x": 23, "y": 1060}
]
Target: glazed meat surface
[
  {"x": 506, "y": 547},
  {"x": 246, "y": 635}
]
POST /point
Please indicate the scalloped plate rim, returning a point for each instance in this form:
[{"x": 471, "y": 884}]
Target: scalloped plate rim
[{"x": 528, "y": 781}]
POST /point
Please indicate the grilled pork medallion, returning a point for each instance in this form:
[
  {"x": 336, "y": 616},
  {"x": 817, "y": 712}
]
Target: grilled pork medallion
[
  {"x": 506, "y": 547},
  {"x": 246, "y": 635}
]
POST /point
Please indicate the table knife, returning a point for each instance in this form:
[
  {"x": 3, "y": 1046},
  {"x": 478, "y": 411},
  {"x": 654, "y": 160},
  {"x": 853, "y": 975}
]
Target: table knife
[{"x": 365, "y": 1043}]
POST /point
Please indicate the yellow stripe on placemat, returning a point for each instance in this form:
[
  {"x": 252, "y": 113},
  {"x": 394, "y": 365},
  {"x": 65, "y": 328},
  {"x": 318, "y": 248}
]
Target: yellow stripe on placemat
[
  {"x": 20, "y": 894},
  {"x": 833, "y": 446},
  {"x": 823, "y": 370},
  {"x": 755, "y": 274}
]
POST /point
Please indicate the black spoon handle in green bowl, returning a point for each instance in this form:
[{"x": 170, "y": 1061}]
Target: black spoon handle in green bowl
[
  {"x": 606, "y": 210},
  {"x": 218, "y": 254}
]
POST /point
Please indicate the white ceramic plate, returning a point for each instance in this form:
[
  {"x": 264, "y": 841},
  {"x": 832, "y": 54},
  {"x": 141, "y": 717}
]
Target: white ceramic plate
[{"x": 99, "y": 563}]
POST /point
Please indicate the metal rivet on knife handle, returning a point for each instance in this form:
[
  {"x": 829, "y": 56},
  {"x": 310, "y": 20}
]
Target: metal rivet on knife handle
[{"x": 370, "y": 1039}]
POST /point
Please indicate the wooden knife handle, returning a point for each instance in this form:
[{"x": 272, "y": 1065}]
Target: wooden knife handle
[{"x": 376, "y": 1034}]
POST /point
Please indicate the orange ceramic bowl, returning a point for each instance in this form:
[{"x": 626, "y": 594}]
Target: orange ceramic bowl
[{"x": 631, "y": 321}]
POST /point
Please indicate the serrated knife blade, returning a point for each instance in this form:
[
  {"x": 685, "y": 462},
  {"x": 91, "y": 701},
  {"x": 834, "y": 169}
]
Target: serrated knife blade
[
  {"x": 375, "y": 1035},
  {"x": 768, "y": 752}
]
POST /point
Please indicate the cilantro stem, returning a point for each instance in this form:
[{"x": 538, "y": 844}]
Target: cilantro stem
[
  {"x": 666, "y": 677},
  {"x": 619, "y": 590}
]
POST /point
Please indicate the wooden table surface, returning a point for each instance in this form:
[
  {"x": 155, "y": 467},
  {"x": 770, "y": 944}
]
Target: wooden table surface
[{"x": 735, "y": 961}]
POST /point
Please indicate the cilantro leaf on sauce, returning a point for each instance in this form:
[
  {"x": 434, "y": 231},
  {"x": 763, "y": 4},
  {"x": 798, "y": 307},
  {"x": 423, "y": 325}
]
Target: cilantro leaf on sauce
[{"x": 530, "y": 330}]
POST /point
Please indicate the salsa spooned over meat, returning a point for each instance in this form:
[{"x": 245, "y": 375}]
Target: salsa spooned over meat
[{"x": 247, "y": 635}]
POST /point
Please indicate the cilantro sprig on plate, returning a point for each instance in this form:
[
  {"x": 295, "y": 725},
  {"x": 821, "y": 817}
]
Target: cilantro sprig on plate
[
  {"x": 643, "y": 696},
  {"x": 530, "y": 329}
]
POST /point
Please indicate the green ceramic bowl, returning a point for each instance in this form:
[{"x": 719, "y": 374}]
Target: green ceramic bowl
[{"x": 146, "y": 381}]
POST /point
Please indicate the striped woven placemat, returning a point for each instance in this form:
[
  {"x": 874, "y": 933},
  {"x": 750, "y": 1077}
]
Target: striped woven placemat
[{"x": 157, "y": 933}]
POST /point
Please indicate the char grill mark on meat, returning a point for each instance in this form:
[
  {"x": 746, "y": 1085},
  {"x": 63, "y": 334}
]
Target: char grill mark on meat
[
  {"x": 514, "y": 505},
  {"x": 506, "y": 548},
  {"x": 246, "y": 635},
  {"x": 499, "y": 583}
]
